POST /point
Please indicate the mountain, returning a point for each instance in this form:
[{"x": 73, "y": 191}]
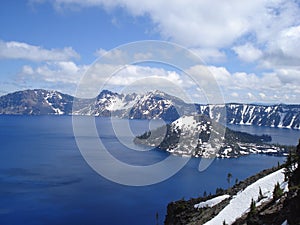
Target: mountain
[
  {"x": 108, "y": 103},
  {"x": 151, "y": 105},
  {"x": 200, "y": 136},
  {"x": 158, "y": 104},
  {"x": 36, "y": 102}
]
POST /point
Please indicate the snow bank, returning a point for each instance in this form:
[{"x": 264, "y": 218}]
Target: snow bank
[
  {"x": 211, "y": 202},
  {"x": 240, "y": 203}
]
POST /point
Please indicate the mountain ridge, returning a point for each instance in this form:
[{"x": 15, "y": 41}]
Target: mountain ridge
[{"x": 151, "y": 105}]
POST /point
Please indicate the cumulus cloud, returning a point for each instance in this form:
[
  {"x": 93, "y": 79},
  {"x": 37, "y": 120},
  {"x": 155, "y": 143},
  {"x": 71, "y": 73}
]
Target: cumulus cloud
[
  {"x": 268, "y": 87},
  {"x": 283, "y": 50},
  {"x": 21, "y": 50},
  {"x": 259, "y": 31},
  {"x": 120, "y": 76},
  {"x": 201, "y": 25},
  {"x": 66, "y": 72},
  {"x": 210, "y": 25},
  {"x": 289, "y": 75},
  {"x": 279, "y": 86},
  {"x": 248, "y": 52}
]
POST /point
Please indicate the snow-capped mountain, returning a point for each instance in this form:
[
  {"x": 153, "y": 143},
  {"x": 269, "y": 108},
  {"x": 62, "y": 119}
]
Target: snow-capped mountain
[
  {"x": 109, "y": 103},
  {"x": 157, "y": 104},
  {"x": 200, "y": 136},
  {"x": 36, "y": 102},
  {"x": 154, "y": 104}
]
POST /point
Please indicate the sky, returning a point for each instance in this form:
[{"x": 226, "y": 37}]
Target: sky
[{"x": 250, "y": 48}]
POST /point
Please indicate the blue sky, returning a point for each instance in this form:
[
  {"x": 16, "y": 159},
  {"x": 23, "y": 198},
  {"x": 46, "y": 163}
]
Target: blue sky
[{"x": 250, "y": 48}]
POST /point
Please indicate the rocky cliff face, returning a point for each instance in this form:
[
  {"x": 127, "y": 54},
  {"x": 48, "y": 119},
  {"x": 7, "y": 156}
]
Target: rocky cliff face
[
  {"x": 281, "y": 116},
  {"x": 155, "y": 104}
]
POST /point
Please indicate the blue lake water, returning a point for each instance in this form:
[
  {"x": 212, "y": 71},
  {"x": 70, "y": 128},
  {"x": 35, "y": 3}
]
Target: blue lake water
[
  {"x": 282, "y": 136},
  {"x": 45, "y": 180}
]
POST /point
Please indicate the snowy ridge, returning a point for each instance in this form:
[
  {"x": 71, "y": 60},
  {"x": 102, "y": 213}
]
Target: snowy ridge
[
  {"x": 240, "y": 203},
  {"x": 150, "y": 105}
]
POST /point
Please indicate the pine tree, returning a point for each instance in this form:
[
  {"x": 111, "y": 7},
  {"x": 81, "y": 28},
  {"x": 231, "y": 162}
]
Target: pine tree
[
  {"x": 289, "y": 166},
  {"x": 260, "y": 196},
  {"x": 296, "y": 173},
  {"x": 252, "y": 215},
  {"x": 252, "y": 207},
  {"x": 277, "y": 192},
  {"x": 291, "y": 172}
]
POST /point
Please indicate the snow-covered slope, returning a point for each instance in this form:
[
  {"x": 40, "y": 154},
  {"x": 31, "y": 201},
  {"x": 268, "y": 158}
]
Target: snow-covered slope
[
  {"x": 152, "y": 105},
  {"x": 109, "y": 103},
  {"x": 211, "y": 202},
  {"x": 240, "y": 203}
]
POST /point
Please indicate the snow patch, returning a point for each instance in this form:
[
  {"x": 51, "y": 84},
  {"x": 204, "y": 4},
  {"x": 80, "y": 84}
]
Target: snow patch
[
  {"x": 211, "y": 202},
  {"x": 240, "y": 203}
]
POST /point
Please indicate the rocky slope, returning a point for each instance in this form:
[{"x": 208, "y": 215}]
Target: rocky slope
[
  {"x": 268, "y": 211},
  {"x": 155, "y": 104},
  {"x": 271, "y": 197}
]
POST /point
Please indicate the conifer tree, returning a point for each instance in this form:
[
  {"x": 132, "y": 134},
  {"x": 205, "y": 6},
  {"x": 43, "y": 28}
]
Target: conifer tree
[{"x": 277, "y": 192}]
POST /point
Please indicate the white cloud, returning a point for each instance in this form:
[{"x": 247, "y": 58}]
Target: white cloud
[
  {"x": 128, "y": 74},
  {"x": 248, "y": 52},
  {"x": 66, "y": 72},
  {"x": 289, "y": 75},
  {"x": 21, "y": 50},
  {"x": 206, "y": 23},
  {"x": 279, "y": 86},
  {"x": 210, "y": 25},
  {"x": 283, "y": 50},
  {"x": 266, "y": 32}
]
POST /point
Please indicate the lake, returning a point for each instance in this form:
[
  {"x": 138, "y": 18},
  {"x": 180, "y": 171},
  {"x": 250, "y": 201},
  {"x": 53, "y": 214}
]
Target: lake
[{"x": 45, "y": 180}]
